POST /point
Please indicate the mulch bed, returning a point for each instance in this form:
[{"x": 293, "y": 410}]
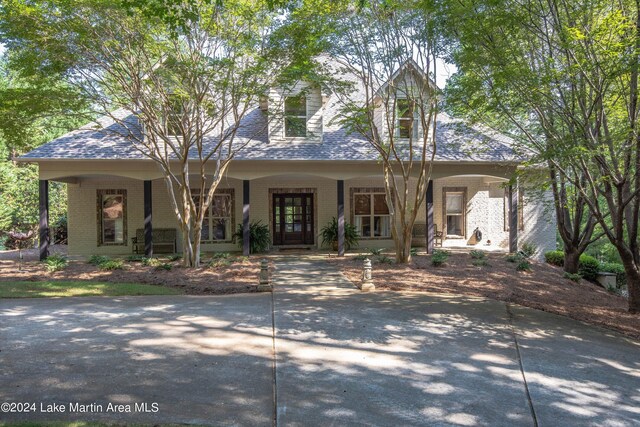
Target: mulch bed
[
  {"x": 544, "y": 288},
  {"x": 238, "y": 276}
]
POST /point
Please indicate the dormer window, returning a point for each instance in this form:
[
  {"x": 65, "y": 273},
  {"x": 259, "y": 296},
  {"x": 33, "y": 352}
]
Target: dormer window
[
  {"x": 295, "y": 116},
  {"x": 173, "y": 117},
  {"x": 406, "y": 119}
]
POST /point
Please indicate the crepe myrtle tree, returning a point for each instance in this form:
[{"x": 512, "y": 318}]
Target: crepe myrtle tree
[
  {"x": 389, "y": 50},
  {"x": 189, "y": 74},
  {"x": 564, "y": 75}
]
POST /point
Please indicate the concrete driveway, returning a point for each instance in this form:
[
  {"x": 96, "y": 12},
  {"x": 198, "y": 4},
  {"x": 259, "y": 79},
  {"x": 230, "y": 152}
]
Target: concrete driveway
[{"x": 339, "y": 357}]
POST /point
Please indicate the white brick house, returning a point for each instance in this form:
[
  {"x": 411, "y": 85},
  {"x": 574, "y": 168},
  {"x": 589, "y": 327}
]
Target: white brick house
[{"x": 293, "y": 177}]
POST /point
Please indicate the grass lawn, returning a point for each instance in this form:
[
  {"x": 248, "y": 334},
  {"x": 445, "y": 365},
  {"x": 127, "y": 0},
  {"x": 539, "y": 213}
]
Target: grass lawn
[{"x": 25, "y": 289}]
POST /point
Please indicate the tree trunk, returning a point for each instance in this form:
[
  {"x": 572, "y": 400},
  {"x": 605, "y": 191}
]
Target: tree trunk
[
  {"x": 633, "y": 284},
  {"x": 571, "y": 260},
  {"x": 403, "y": 248}
]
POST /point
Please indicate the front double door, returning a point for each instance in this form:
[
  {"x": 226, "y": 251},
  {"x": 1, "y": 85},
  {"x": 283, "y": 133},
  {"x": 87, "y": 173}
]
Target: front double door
[{"x": 293, "y": 219}]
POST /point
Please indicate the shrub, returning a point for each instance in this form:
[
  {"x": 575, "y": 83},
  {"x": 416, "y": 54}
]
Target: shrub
[
  {"x": 439, "y": 257},
  {"x": 574, "y": 277},
  {"x": 174, "y": 257},
  {"x": 151, "y": 262},
  {"x": 588, "y": 267},
  {"x": 413, "y": 251},
  {"x": 360, "y": 257},
  {"x": 477, "y": 254},
  {"x": 55, "y": 262},
  {"x": 376, "y": 252},
  {"x": 618, "y": 269},
  {"x": 98, "y": 259},
  {"x": 259, "y": 237},
  {"x": 554, "y": 258},
  {"x": 514, "y": 258},
  {"x": 134, "y": 258},
  {"x": 480, "y": 263},
  {"x": 221, "y": 255},
  {"x": 523, "y": 265},
  {"x": 220, "y": 262},
  {"x": 329, "y": 234},
  {"x": 114, "y": 264},
  {"x": 528, "y": 249},
  {"x": 383, "y": 259},
  {"x": 164, "y": 266}
]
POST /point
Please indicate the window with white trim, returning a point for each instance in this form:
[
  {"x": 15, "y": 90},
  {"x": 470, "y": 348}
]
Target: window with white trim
[
  {"x": 295, "y": 116},
  {"x": 173, "y": 116},
  {"x": 217, "y": 226},
  {"x": 371, "y": 215},
  {"x": 406, "y": 119}
]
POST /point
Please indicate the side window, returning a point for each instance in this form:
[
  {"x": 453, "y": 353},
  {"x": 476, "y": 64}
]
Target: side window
[
  {"x": 295, "y": 116},
  {"x": 112, "y": 217},
  {"x": 455, "y": 213}
]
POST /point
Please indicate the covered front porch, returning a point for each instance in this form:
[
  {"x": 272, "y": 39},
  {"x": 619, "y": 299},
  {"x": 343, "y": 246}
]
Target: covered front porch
[{"x": 295, "y": 200}]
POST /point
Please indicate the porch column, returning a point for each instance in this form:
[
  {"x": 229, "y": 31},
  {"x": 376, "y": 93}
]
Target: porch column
[
  {"x": 246, "y": 188},
  {"x": 340, "y": 217},
  {"x": 513, "y": 218},
  {"x": 148, "y": 229},
  {"x": 43, "y": 192},
  {"x": 430, "y": 224}
]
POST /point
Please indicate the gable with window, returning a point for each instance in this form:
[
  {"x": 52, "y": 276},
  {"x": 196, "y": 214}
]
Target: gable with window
[
  {"x": 217, "y": 226},
  {"x": 370, "y": 213},
  {"x": 112, "y": 217},
  {"x": 173, "y": 116},
  {"x": 295, "y": 116}
]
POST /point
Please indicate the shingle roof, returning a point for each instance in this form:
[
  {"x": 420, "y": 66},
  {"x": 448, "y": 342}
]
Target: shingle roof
[{"x": 456, "y": 142}]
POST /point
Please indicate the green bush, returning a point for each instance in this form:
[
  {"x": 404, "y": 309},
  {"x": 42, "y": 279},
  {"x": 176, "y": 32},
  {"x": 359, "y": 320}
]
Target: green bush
[
  {"x": 523, "y": 265},
  {"x": 164, "y": 266},
  {"x": 114, "y": 264},
  {"x": 376, "y": 252},
  {"x": 618, "y": 270},
  {"x": 588, "y": 267},
  {"x": 477, "y": 254},
  {"x": 514, "y": 258},
  {"x": 219, "y": 262},
  {"x": 221, "y": 255},
  {"x": 413, "y": 251},
  {"x": 98, "y": 259},
  {"x": 480, "y": 263},
  {"x": 134, "y": 258},
  {"x": 151, "y": 262},
  {"x": 574, "y": 277},
  {"x": 554, "y": 258},
  {"x": 55, "y": 262},
  {"x": 383, "y": 259},
  {"x": 259, "y": 237},
  {"x": 528, "y": 249},
  {"x": 439, "y": 257},
  {"x": 329, "y": 234},
  {"x": 174, "y": 257}
]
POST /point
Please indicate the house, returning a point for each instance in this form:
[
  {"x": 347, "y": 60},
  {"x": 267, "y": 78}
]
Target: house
[{"x": 295, "y": 175}]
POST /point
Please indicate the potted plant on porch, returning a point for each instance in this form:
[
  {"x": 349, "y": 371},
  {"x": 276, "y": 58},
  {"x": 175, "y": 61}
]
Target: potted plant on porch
[{"x": 329, "y": 234}]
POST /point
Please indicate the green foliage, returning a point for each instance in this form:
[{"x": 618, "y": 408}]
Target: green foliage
[
  {"x": 480, "y": 263},
  {"x": 383, "y": 259},
  {"x": 523, "y": 265},
  {"x": 329, "y": 234},
  {"x": 164, "y": 266},
  {"x": 219, "y": 263},
  {"x": 114, "y": 264},
  {"x": 259, "y": 237},
  {"x": 376, "y": 251},
  {"x": 574, "y": 277},
  {"x": 478, "y": 254},
  {"x": 413, "y": 252},
  {"x": 174, "y": 257},
  {"x": 221, "y": 255},
  {"x": 618, "y": 270},
  {"x": 528, "y": 249},
  {"x": 151, "y": 262},
  {"x": 439, "y": 257},
  {"x": 360, "y": 257},
  {"x": 514, "y": 258},
  {"x": 98, "y": 259},
  {"x": 55, "y": 262},
  {"x": 554, "y": 258},
  {"x": 588, "y": 267},
  {"x": 135, "y": 258}
]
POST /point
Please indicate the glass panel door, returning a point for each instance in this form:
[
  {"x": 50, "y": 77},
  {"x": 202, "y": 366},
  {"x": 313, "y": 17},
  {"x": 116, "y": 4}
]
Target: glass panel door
[{"x": 293, "y": 219}]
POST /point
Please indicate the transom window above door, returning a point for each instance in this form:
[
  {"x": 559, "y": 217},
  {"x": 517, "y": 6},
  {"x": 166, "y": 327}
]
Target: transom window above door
[
  {"x": 295, "y": 116},
  {"x": 371, "y": 215}
]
